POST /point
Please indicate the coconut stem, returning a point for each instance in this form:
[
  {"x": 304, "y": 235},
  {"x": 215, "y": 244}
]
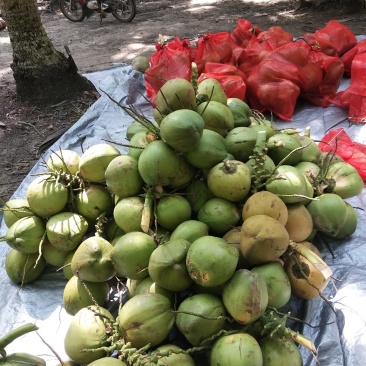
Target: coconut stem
[
  {"x": 195, "y": 76},
  {"x": 147, "y": 210},
  {"x": 229, "y": 167},
  {"x": 260, "y": 143},
  {"x": 313, "y": 258},
  {"x": 302, "y": 340},
  {"x": 14, "y": 334}
]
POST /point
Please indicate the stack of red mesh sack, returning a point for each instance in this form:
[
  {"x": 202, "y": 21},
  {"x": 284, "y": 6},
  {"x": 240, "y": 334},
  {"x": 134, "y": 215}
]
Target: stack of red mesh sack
[{"x": 269, "y": 69}]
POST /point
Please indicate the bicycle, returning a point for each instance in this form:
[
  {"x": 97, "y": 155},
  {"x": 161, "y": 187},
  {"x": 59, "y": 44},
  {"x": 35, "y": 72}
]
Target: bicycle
[{"x": 77, "y": 10}]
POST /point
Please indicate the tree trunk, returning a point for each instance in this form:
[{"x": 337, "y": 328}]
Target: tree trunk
[{"x": 42, "y": 74}]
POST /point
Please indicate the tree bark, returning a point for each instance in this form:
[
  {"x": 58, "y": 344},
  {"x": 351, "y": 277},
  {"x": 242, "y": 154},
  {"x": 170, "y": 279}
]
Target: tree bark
[{"x": 42, "y": 74}]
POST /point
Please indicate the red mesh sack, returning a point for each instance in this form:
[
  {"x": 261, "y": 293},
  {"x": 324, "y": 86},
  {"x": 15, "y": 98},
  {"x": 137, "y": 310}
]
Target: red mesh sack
[
  {"x": 348, "y": 57},
  {"x": 165, "y": 64},
  {"x": 277, "y": 33},
  {"x": 244, "y": 32},
  {"x": 183, "y": 45},
  {"x": 278, "y": 97},
  {"x": 310, "y": 72},
  {"x": 214, "y": 47},
  {"x": 341, "y": 99},
  {"x": 254, "y": 53},
  {"x": 339, "y": 35},
  {"x": 322, "y": 42},
  {"x": 275, "y": 84},
  {"x": 337, "y": 141},
  {"x": 357, "y": 90},
  {"x": 230, "y": 77},
  {"x": 332, "y": 70}
]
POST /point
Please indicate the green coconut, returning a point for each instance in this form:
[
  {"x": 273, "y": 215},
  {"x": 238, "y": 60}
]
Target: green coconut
[
  {"x": 191, "y": 315},
  {"x": 211, "y": 261},
  {"x": 217, "y": 117},
  {"x": 127, "y": 213},
  {"x": 236, "y": 350},
  {"x": 210, "y": 150},
  {"x": 94, "y": 162},
  {"x": 172, "y": 355},
  {"x": 175, "y": 94},
  {"x": 158, "y": 163},
  {"x": 245, "y": 296},
  {"x": 219, "y": 214},
  {"x": 122, "y": 176},
  {"x": 240, "y": 110},
  {"x": 182, "y": 129},
  {"x": 15, "y": 209},
  {"x": 278, "y": 283},
  {"x": 131, "y": 253},
  {"x": 240, "y": 142},
  {"x": 23, "y": 268},
  {"x": 65, "y": 161},
  {"x": 93, "y": 201},
  {"x": 153, "y": 314},
  {"x": 167, "y": 265},
  {"x": 172, "y": 210},
  {"x": 140, "y": 63},
  {"x": 78, "y": 294},
  {"x": 190, "y": 230},
  {"x": 46, "y": 196},
  {"x": 211, "y": 89},
  {"x": 281, "y": 147},
  {"x": 65, "y": 231},
  {"x": 26, "y": 234},
  {"x": 88, "y": 331},
  {"x": 92, "y": 261},
  {"x": 197, "y": 193}
]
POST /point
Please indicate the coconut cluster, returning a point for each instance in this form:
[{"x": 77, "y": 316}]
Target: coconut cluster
[{"x": 204, "y": 228}]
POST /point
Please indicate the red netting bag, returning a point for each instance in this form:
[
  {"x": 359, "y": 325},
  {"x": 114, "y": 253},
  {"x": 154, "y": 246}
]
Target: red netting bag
[
  {"x": 260, "y": 46},
  {"x": 244, "y": 32},
  {"x": 320, "y": 41},
  {"x": 357, "y": 90},
  {"x": 254, "y": 53},
  {"x": 348, "y": 57},
  {"x": 278, "y": 97},
  {"x": 337, "y": 141},
  {"x": 277, "y": 33},
  {"x": 165, "y": 64},
  {"x": 216, "y": 47},
  {"x": 354, "y": 97},
  {"x": 332, "y": 70},
  {"x": 339, "y": 35},
  {"x": 183, "y": 45},
  {"x": 230, "y": 77},
  {"x": 276, "y": 83}
]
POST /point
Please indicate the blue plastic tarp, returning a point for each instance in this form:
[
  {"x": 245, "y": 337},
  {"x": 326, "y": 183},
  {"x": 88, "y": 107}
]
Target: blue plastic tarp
[{"x": 339, "y": 323}]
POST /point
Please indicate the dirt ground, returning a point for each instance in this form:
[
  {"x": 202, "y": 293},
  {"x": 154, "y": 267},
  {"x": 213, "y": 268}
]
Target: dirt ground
[{"x": 95, "y": 46}]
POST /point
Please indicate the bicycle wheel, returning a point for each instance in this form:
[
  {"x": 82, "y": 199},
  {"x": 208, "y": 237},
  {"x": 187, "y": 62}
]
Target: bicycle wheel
[
  {"x": 72, "y": 10},
  {"x": 124, "y": 10}
]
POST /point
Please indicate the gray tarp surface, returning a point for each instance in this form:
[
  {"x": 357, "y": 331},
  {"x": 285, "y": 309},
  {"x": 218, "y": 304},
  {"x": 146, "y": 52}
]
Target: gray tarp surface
[{"x": 341, "y": 342}]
